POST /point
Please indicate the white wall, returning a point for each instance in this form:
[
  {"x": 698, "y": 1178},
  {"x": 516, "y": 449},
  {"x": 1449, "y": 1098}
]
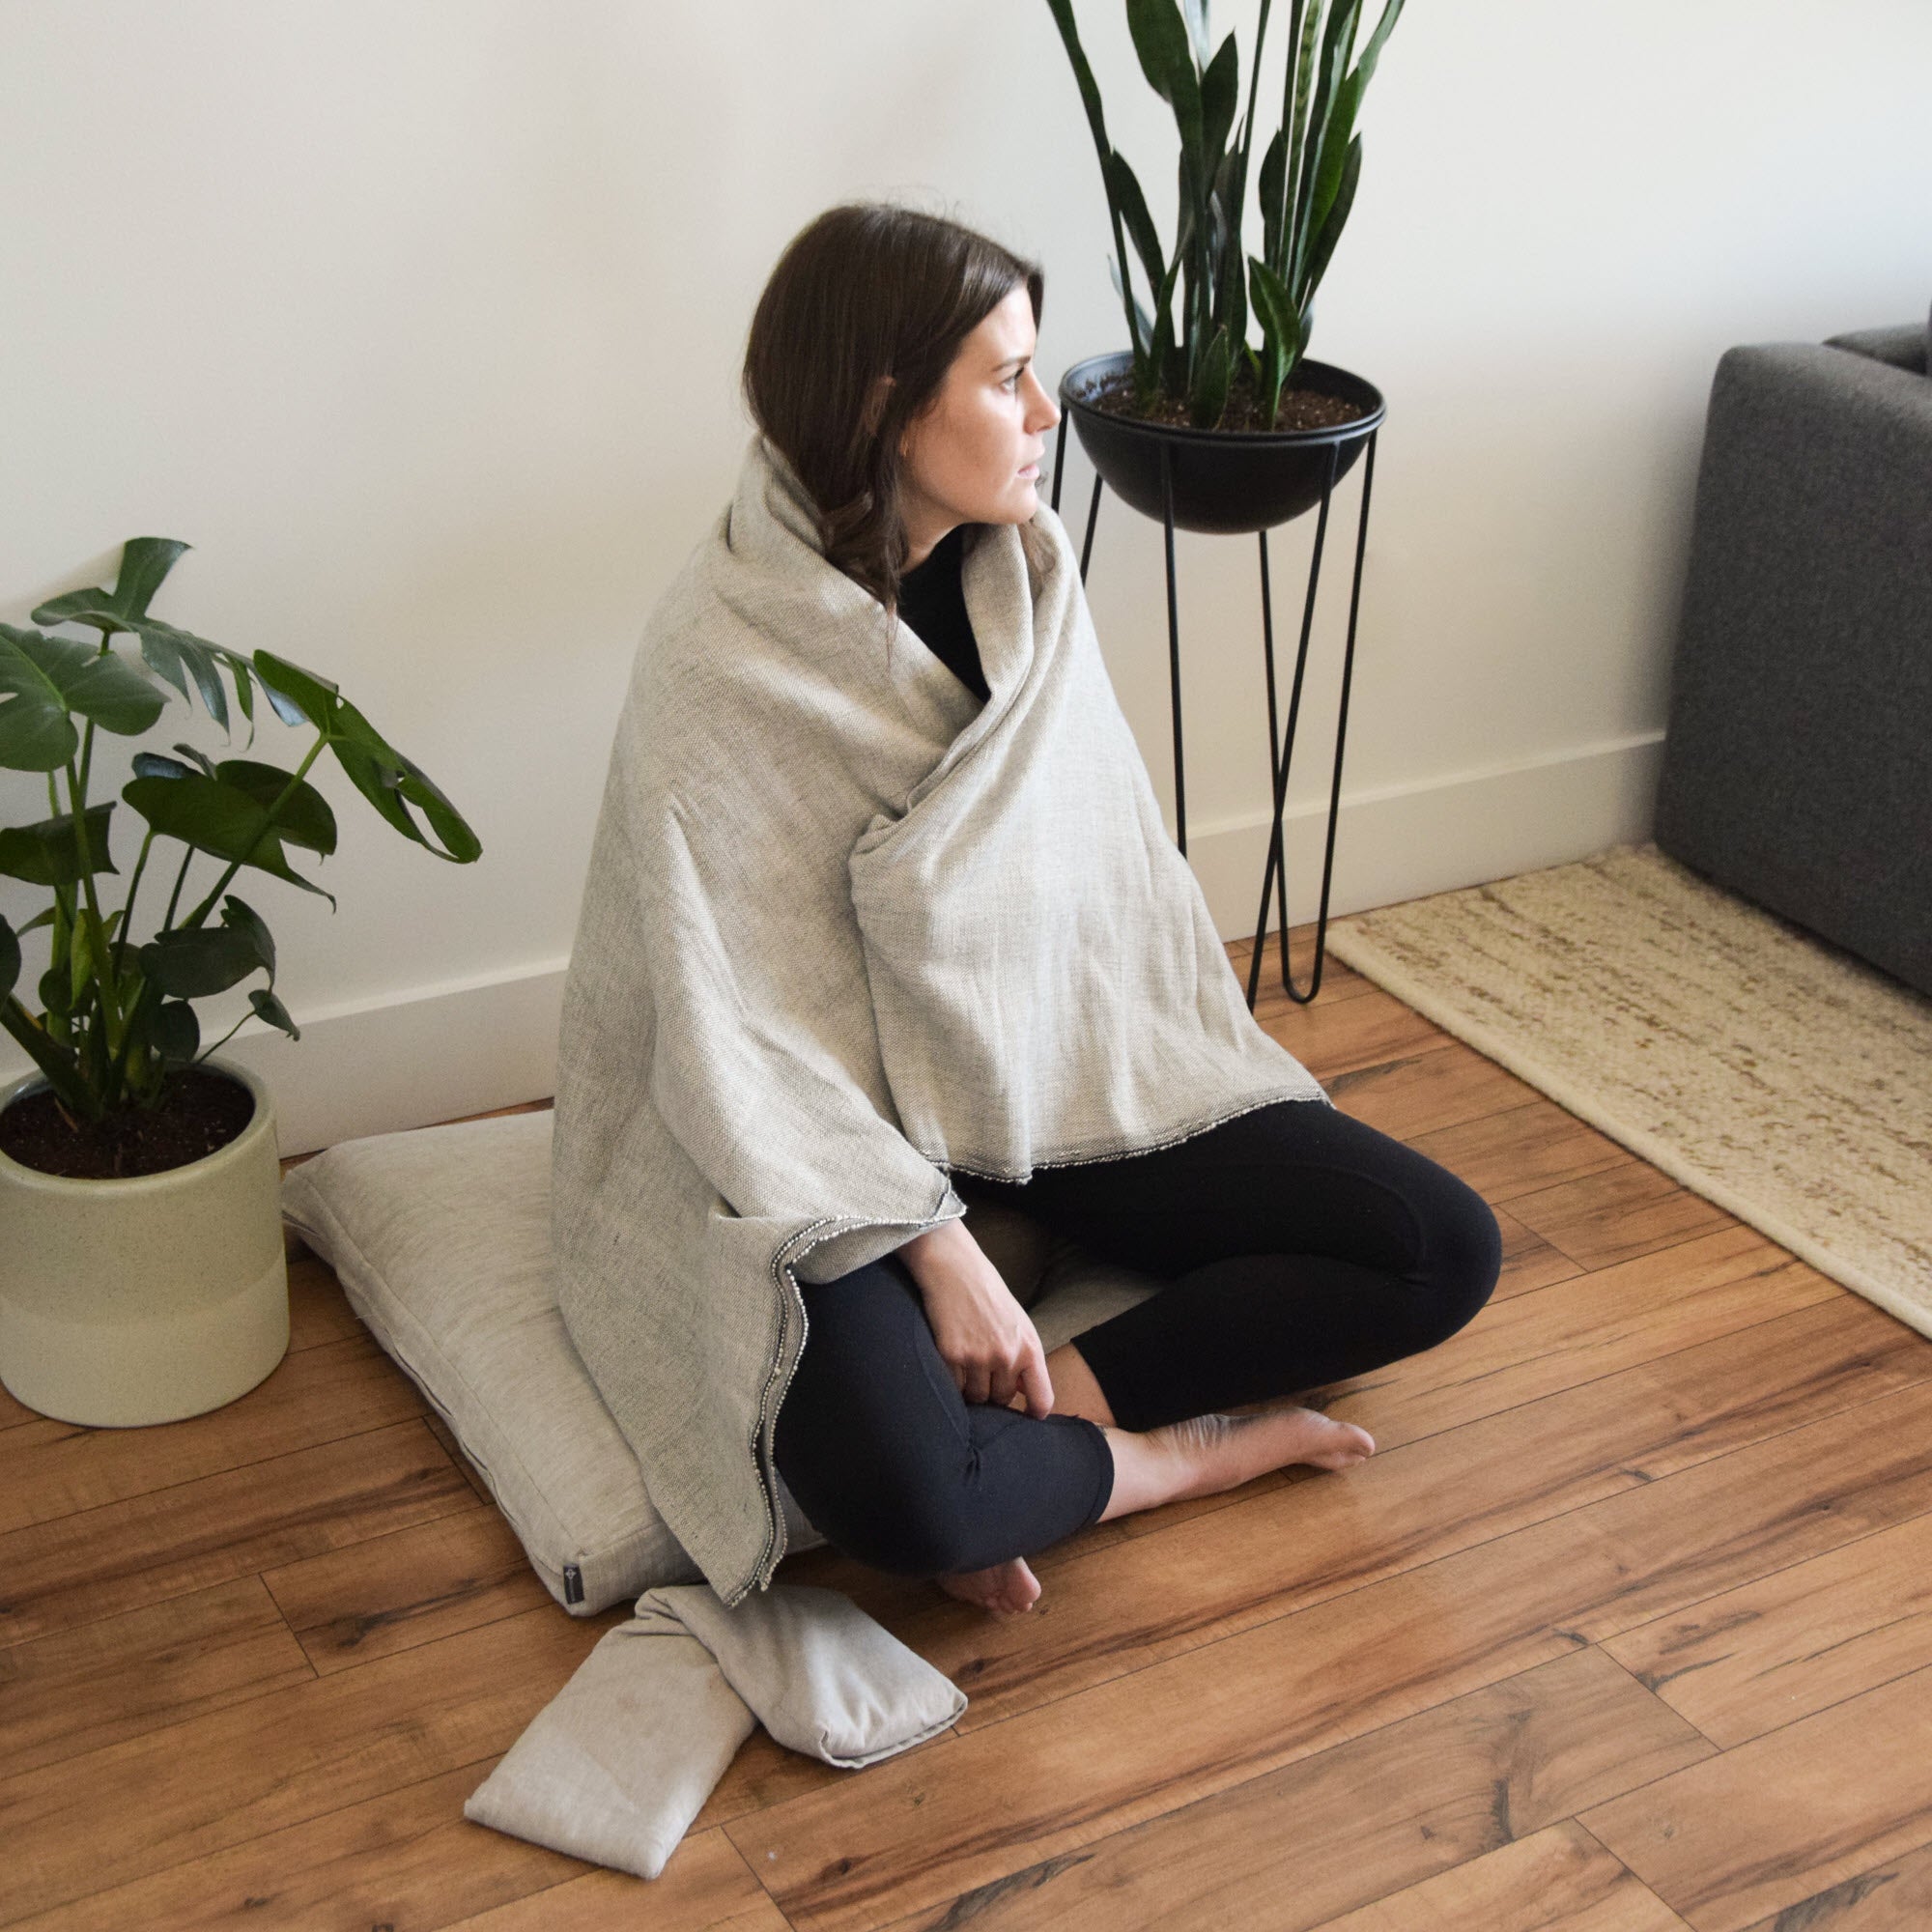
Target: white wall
[{"x": 423, "y": 325}]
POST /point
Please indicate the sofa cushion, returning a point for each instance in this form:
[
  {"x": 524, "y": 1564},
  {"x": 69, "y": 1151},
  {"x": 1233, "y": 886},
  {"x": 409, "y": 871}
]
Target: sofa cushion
[
  {"x": 1905, "y": 345},
  {"x": 441, "y": 1240}
]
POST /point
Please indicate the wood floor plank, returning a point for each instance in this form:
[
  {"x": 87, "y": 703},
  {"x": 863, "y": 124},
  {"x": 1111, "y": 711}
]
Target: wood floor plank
[
  {"x": 1769, "y": 1822},
  {"x": 1295, "y": 1847},
  {"x": 1333, "y": 1040},
  {"x": 1439, "y": 1088},
  {"x": 1047, "y": 1783},
  {"x": 50, "y": 1469},
  {"x": 13, "y": 1413},
  {"x": 220, "y": 1779},
  {"x": 408, "y": 1859},
  {"x": 127, "y": 1675},
  {"x": 76, "y": 1569},
  {"x": 455, "y": 1573},
  {"x": 705, "y": 1886},
  {"x": 1521, "y": 1149},
  {"x": 1528, "y": 1346},
  {"x": 1895, "y": 1897},
  {"x": 1601, "y": 1219},
  {"x": 318, "y": 1311},
  {"x": 1559, "y": 1879},
  {"x": 1783, "y": 1646},
  {"x": 453, "y": 1449},
  {"x": 1529, "y": 1261}
]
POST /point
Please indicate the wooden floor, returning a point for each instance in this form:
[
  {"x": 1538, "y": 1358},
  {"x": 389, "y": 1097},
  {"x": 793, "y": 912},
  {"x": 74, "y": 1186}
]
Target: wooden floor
[{"x": 1627, "y": 1626}]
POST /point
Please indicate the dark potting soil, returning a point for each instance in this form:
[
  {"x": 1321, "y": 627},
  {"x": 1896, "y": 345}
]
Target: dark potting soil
[
  {"x": 198, "y": 1111},
  {"x": 1300, "y": 408}
]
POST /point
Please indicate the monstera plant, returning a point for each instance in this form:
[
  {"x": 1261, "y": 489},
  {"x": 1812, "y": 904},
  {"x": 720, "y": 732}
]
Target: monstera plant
[
  {"x": 1305, "y": 187},
  {"x": 143, "y": 1275},
  {"x": 118, "y": 1015}
]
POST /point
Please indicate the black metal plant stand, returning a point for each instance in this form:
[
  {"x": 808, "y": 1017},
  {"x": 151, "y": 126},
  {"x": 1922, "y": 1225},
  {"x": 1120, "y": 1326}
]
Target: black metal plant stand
[{"x": 1281, "y": 747}]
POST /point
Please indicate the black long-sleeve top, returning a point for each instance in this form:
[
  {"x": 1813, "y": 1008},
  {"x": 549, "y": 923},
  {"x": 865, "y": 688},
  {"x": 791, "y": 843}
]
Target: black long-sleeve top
[{"x": 933, "y": 604}]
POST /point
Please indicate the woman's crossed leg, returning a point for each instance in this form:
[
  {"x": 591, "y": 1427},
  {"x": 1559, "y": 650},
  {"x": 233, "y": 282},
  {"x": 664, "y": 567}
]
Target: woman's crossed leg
[{"x": 1299, "y": 1247}]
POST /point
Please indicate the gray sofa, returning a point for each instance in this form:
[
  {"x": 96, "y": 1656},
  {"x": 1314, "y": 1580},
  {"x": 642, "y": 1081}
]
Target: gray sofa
[{"x": 1798, "y": 763}]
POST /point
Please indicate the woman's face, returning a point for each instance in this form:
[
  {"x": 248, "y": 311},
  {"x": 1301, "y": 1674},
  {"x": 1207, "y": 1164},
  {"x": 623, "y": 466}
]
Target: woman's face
[{"x": 973, "y": 456}]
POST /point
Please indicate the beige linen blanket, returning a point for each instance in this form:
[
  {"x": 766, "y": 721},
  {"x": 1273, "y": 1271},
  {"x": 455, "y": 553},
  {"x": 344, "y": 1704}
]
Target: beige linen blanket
[{"x": 848, "y": 931}]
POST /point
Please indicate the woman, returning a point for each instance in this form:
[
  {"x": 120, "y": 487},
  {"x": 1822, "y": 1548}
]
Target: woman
[{"x": 881, "y": 868}]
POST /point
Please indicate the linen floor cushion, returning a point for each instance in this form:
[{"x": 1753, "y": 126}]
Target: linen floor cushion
[
  {"x": 441, "y": 1238},
  {"x": 621, "y": 1760}
]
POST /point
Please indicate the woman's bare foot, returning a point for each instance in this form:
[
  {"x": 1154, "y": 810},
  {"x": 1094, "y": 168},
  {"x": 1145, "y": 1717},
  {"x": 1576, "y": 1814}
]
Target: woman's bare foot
[
  {"x": 1208, "y": 1454},
  {"x": 1006, "y": 1589}
]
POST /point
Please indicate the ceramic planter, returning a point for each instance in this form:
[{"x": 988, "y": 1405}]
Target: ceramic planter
[
  {"x": 150, "y": 1298},
  {"x": 1224, "y": 480}
]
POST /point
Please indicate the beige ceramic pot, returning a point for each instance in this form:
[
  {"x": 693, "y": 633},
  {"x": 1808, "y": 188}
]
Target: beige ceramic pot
[{"x": 146, "y": 1299}]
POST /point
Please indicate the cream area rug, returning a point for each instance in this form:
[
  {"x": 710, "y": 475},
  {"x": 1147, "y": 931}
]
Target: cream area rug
[{"x": 1767, "y": 1071}]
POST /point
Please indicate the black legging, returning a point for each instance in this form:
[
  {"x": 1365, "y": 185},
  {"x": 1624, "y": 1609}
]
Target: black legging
[{"x": 1301, "y": 1249}]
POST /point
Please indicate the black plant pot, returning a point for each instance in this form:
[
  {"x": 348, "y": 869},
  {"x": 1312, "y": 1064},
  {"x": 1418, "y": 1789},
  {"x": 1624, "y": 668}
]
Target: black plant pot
[{"x": 1223, "y": 480}]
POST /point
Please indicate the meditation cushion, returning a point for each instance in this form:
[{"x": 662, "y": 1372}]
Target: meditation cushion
[{"x": 441, "y": 1240}]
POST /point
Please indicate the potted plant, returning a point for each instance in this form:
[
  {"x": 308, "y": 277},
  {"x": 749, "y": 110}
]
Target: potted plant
[
  {"x": 1192, "y": 424},
  {"x": 142, "y": 1276}
]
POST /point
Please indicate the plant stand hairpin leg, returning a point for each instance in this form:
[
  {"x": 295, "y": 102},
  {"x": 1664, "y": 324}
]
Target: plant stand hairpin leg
[
  {"x": 1278, "y": 762},
  {"x": 1277, "y": 861}
]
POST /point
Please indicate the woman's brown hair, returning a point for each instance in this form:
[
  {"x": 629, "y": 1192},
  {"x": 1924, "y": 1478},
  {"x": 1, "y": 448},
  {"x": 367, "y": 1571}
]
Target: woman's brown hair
[{"x": 867, "y": 289}]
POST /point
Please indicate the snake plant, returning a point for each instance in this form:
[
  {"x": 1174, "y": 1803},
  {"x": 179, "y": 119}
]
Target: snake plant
[{"x": 1305, "y": 187}]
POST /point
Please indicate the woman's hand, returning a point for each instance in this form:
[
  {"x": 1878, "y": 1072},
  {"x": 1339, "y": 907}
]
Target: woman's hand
[{"x": 985, "y": 1338}]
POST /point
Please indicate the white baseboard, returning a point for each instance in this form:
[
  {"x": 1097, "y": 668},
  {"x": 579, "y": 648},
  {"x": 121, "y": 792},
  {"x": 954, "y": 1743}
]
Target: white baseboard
[
  {"x": 440, "y": 1051},
  {"x": 1434, "y": 835}
]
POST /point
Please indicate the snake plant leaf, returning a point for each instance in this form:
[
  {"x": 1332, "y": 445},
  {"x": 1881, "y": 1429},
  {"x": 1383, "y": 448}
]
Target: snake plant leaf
[
  {"x": 1143, "y": 327},
  {"x": 304, "y": 819},
  {"x": 1271, "y": 302},
  {"x": 10, "y": 957},
  {"x": 48, "y": 853},
  {"x": 1220, "y": 97},
  {"x": 1126, "y": 190},
  {"x": 243, "y": 918},
  {"x": 1160, "y": 40},
  {"x": 1338, "y": 37},
  {"x": 175, "y": 1033},
  {"x": 270, "y": 1008},
  {"x": 1298, "y": 108},
  {"x": 1337, "y": 219},
  {"x": 1210, "y": 396},
  {"x": 1268, "y": 187},
  {"x": 1083, "y": 74},
  {"x": 44, "y": 680},
  {"x": 1328, "y": 130},
  {"x": 221, "y": 820},
  {"x": 145, "y": 562},
  {"x": 1372, "y": 53},
  {"x": 1196, "y": 11},
  {"x": 191, "y": 962}
]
